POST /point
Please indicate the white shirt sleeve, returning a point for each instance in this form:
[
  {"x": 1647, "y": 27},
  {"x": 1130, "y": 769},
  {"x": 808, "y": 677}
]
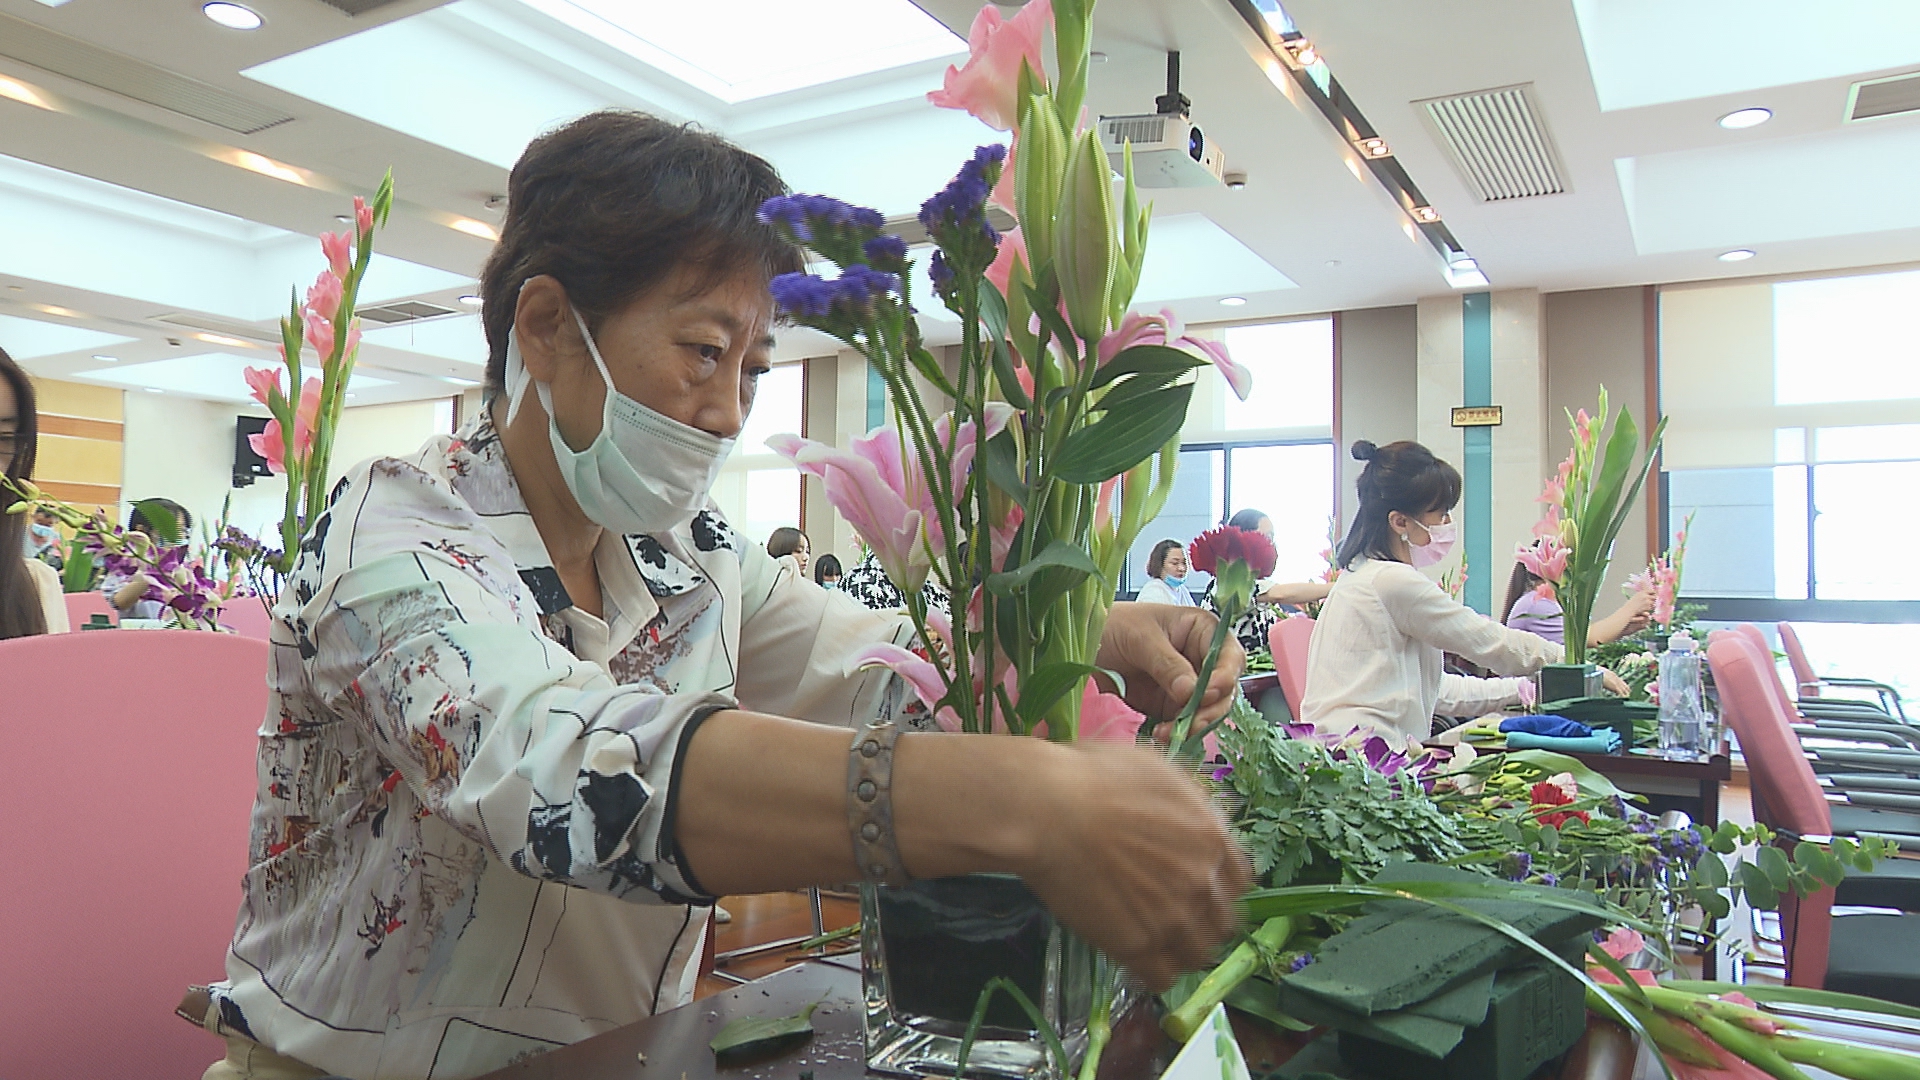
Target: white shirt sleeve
[
  {"x": 1422, "y": 611},
  {"x": 53, "y": 603},
  {"x": 1469, "y": 697},
  {"x": 1155, "y": 591}
]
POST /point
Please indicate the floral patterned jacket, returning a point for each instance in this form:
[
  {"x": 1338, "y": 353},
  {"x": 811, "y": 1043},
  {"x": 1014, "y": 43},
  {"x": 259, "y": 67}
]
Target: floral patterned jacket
[{"x": 462, "y": 850}]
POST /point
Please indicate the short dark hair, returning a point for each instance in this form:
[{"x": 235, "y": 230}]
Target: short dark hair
[
  {"x": 612, "y": 204},
  {"x": 1403, "y": 476},
  {"x": 141, "y": 515},
  {"x": 826, "y": 566},
  {"x": 785, "y": 541},
  {"x": 1157, "y": 558},
  {"x": 1248, "y": 520}
]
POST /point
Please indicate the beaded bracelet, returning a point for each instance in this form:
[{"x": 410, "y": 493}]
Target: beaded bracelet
[{"x": 870, "y": 805}]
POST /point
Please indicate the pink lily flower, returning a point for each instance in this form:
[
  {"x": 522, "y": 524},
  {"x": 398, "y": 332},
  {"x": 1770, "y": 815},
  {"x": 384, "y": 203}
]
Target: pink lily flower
[
  {"x": 989, "y": 85},
  {"x": 362, "y": 214},
  {"x": 1545, "y": 559},
  {"x": 1107, "y": 717},
  {"x": 1167, "y": 329},
  {"x": 1103, "y": 504},
  {"x": 927, "y": 680},
  {"x": 338, "y": 248},
  {"x": 868, "y": 486}
]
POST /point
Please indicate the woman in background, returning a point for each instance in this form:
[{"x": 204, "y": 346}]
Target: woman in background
[
  {"x": 1532, "y": 608},
  {"x": 787, "y": 540},
  {"x": 30, "y": 600},
  {"x": 827, "y": 572},
  {"x": 1167, "y": 569},
  {"x": 127, "y": 592},
  {"x": 1255, "y": 623},
  {"x": 1378, "y": 649}
]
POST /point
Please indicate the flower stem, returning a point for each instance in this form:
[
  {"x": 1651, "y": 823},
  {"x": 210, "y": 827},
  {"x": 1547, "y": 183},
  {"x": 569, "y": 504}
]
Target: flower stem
[
  {"x": 1240, "y": 965},
  {"x": 1178, "y": 744}
]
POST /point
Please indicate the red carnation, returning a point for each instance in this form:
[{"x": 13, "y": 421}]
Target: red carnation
[
  {"x": 1545, "y": 795},
  {"x": 1227, "y": 543}
]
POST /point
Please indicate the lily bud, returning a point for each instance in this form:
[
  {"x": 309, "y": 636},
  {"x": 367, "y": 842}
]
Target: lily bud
[
  {"x": 1083, "y": 243},
  {"x": 1036, "y": 176}
]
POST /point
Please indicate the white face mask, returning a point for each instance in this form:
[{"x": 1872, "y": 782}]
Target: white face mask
[
  {"x": 1439, "y": 543},
  {"x": 682, "y": 461}
]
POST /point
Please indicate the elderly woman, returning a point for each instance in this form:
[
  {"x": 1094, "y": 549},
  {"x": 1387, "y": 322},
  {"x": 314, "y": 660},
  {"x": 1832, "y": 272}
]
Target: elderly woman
[{"x": 536, "y": 703}]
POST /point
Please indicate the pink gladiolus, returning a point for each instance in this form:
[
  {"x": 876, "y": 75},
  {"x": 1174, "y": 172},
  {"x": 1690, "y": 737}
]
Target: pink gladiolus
[
  {"x": 1548, "y": 525},
  {"x": 323, "y": 297},
  {"x": 338, "y": 248},
  {"x": 1107, "y": 717},
  {"x": 989, "y": 85},
  {"x": 1012, "y": 246},
  {"x": 1103, "y": 504},
  {"x": 1167, "y": 329},
  {"x": 1582, "y": 424},
  {"x": 262, "y": 382},
  {"x": 362, "y": 215},
  {"x": 320, "y": 336},
  {"x": 868, "y": 486},
  {"x": 268, "y": 445},
  {"x": 1555, "y": 492},
  {"x": 1566, "y": 470}
]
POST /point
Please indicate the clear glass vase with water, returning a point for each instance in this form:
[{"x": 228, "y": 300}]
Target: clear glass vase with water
[{"x": 1683, "y": 716}]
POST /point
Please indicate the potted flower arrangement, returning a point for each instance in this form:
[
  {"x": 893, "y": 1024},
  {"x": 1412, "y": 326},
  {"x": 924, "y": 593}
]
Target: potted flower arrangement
[
  {"x": 1587, "y": 502},
  {"x": 1016, "y": 474}
]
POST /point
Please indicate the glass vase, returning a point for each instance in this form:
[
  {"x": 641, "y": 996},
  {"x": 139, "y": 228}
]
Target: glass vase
[
  {"x": 929, "y": 950},
  {"x": 1559, "y": 682}
]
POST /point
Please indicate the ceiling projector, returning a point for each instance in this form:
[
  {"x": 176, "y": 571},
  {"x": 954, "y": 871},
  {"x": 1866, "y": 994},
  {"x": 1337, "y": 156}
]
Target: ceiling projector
[{"x": 1169, "y": 149}]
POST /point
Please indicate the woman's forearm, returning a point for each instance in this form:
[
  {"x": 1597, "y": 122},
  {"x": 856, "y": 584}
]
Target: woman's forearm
[
  {"x": 763, "y": 803},
  {"x": 130, "y": 593},
  {"x": 1296, "y": 592}
]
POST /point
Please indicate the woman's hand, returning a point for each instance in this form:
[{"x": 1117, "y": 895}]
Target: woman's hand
[
  {"x": 1158, "y": 648},
  {"x": 1629, "y": 618},
  {"x": 1614, "y": 684},
  {"x": 130, "y": 593},
  {"x": 1135, "y": 858}
]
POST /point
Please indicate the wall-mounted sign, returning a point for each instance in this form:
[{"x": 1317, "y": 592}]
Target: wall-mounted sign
[{"x": 1477, "y": 416}]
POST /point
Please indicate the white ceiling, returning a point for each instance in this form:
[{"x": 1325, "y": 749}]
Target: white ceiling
[{"x": 114, "y": 213}]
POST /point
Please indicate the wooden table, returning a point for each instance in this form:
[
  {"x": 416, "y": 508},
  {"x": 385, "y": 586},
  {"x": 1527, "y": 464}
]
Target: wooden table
[
  {"x": 673, "y": 1045},
  {"x": 1644, "y": 773}
]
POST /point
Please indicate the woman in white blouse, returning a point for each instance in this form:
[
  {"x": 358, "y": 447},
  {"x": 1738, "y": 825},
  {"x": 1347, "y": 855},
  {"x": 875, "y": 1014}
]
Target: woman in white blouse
[
  {"x": 535, "y": 703},
  {"x": 1377, "y": 651},
  {"x": 30, "y": 599},
  {"x": 1166, "y": 576}
]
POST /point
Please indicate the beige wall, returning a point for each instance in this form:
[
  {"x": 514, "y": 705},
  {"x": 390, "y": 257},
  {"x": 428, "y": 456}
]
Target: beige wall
[
  {"x": 1378, "y": 369},
  {"x": 1595, "y": 338}
]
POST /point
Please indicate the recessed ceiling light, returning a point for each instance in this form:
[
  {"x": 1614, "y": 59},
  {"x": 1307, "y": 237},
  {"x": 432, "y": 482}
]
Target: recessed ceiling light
[
  {"x": 470, "y": 300},
  {"x": 473, "y": 228},
  {"x": 1373, "y": 148},
  {"x": 232, "y": 16},
  {"x": 1463, "y": 261},
  {"x": 1232, "y": 301},
  {"x": 1736, "y": 255},
  {"x": 108, "y": 359},
  {"x": 153, "y": 390},
  {"x": 1746, "y": 118},
  {"x": 1097, "y": 57},
  {"x": 55, "y": 309},
  {"x": 344, "y": 219},
  {"x": 1307, "y": 56},
  {"x": 1425, "y": 215},
  {"x": 222, "y": 339}
]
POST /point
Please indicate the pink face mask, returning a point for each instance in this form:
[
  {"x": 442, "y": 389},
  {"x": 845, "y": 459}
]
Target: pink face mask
[{"x": 1439, "y": 544}]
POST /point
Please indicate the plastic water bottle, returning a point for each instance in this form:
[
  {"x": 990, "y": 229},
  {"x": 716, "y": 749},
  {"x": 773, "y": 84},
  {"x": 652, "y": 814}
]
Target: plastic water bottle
[{"x": 1683, "y": 717}]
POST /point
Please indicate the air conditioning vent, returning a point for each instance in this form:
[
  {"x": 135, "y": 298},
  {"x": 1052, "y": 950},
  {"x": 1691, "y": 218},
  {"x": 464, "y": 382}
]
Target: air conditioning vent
[
  {"x": 32, "y": 44},
  {"x": 1498, "y": 141},
  {"x": 1890, "y": 96},
  {"x": 357, "y": 7},
  {"x": 405, "y": 311}
]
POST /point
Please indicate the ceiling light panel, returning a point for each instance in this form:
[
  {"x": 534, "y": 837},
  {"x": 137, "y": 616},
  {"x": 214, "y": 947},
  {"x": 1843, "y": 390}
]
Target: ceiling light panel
[
  {"x": 32, "y": 44},
  {"x": 1763, "y": 191},
  {"x": 1649, "y": 52},
  {"x": 1191, "y": 256},
  {"x": 30, "y": 339},
  {"x": 213, "y": 376},
  {"x": 738, "y": 50},
  {"x": 461, "y": 338},
  {"x": 1891, "y": 96}
]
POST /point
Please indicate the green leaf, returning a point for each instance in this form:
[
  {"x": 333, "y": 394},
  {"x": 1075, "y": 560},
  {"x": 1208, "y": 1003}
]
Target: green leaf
[
  {"x": 1711, "y": 872},
  {"x": 1049, "y": 313},
  {"x": 1797, "y": 995},
  {"x": 161, "y": 519},
  {"x": 1003, "y": 467},
  {"x": 1773, "y": 863},
  {"x": 1041, "y": 690},
  {"x": 1716, "y": 905},
  {"x": 78, "y": 575},
  {"x": 1059, "y": 553},
  {"x": 1259, "y": 998},
  {"x": 1145, "y": 359},
  {"x": 1121, "y": 396},
  {"x": 929, "y": 369},
  {"x": 751, "y": 1036},
  {"x": 1760, "y": 891},
  {"x": 1101, "y": 451},
  {"x": 1725, "y": 839}
]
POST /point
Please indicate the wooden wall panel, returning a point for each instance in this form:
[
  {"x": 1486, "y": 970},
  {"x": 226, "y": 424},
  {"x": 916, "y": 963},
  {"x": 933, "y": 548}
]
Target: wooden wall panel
[{"x": 81, "y": 443}]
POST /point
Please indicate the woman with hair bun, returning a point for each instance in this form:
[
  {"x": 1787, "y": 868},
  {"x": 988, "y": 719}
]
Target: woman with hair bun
[{"x": 1377, "y": 652}]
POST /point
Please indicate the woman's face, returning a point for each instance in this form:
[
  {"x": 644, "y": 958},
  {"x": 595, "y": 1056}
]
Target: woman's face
[
  {"x": 1175, "y": 564},
  {"x": 692, "y": 356},
  {"x": 1416, "y": 528},
  {"x": 9, "y": 425},
  {"x": 802, "y": 553}
]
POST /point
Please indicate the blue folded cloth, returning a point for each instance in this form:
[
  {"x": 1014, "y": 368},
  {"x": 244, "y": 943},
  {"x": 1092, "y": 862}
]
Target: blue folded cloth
[
  {"x": 1604, "y": 741},
  {"x": 1558, "y": 727}
]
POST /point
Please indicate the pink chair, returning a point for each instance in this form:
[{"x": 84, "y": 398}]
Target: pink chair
[
  {"x": 127, "y": 777},
  {"x": 1888, "y": 699},
  {"x": 1289, "y": 639},
  {"x": 83, "y": 606},
  {"x": 246, "y": 616},
  {"x": 1876, "y": 955}
]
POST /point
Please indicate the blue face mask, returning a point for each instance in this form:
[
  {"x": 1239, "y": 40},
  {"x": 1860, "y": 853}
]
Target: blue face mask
[
  {"x": 830, "y": 583},
  {"x": 1175, "y": 582}
]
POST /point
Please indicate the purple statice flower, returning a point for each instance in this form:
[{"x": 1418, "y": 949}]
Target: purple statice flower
[
  {"x": 806, "y": 217},
  {"x": 1519, "y": 865},
  {"x": 956, "y": 216},
  {"x": 1549, "y": 879},
  {"x": 859, "y": 285},
  {"x": 887, "y": 253},
  {"x": 1620, "y": 809},
  {"x": 829, "y": 303},
  {"x": 1300, "y": 963},
  {"x": 802, "y": 296}
]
